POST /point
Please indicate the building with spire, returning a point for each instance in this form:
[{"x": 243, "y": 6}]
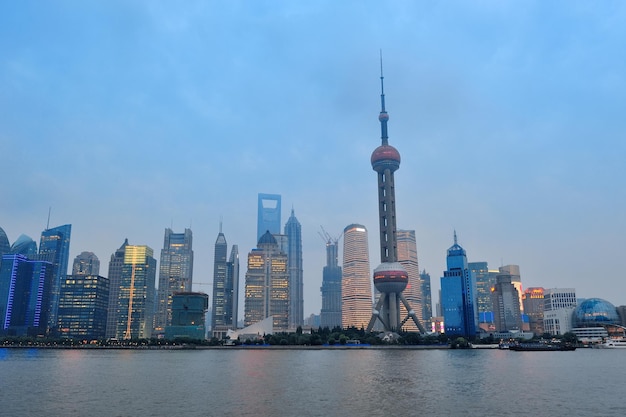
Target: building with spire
[
  {"x": 115, "y": 281},
  {"x": 268, "y": 216},
  {"x": 54, "y": 247},
  {"x": 293, "y": 231},
  {"x": 458, "y": 290},
  {"x": 267, "y": 284},
  {"x": 356, "y": 284},
  {"x": 225, "y": 288},
  {"x": 175, "y": 274},
  {"x": 330, "y": 314},
  {"x": 390, "y": 277}
]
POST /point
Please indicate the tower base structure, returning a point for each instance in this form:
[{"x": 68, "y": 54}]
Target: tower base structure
[{"x": 387, "y": 311}]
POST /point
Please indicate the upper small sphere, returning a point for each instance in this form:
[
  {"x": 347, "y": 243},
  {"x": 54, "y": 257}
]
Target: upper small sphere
[
  {"x": 383, "y": 116},
  {"x": 385, "y": 156}
]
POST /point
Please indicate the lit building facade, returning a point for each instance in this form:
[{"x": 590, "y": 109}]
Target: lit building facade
[
  {"x": 532, "y": 299},
  {"x": 54, "y": 247},
  {"x": 25, "y": 293},
  {"x": 330, "y": 315},
  {"x": 175, "y": 274},
  {"x": 457, "y": 295},
  {"x": 516, "y": 279},
  {"x": 136, "y": 299},
  {"x": 485, "y": 281},
  {"x": 225, "y": 288},
  {"x": 407, "y": 256},
  {"x": 356, "y": 286},
  {"x": 267, "y": 284},
  {"x": 188, "y": 316},
  {"x": 506, "y": 307},
  {"x": 293, "y": 231},
  {"x": 268, "y": 215},
  {"x": 83, "y": 304}
]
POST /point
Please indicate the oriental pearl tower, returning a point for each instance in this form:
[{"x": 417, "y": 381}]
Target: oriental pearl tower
[{"x": 390, "y": 277}]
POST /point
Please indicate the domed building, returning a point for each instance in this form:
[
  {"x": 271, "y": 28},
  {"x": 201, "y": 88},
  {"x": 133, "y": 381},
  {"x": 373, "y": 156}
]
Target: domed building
[
  {"x": 595, "y": 312},
  {"x": 595, "y": 319}
]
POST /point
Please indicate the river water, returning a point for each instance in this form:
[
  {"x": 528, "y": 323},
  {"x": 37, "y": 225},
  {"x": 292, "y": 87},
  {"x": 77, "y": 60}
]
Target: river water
[{"x": 364, "y": 382}]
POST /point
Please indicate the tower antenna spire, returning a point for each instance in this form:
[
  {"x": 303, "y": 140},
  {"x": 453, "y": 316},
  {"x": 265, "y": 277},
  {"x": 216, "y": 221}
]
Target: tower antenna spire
[
  {"x": 383, "y": 117},
  {"x": 48, "y": 223}
]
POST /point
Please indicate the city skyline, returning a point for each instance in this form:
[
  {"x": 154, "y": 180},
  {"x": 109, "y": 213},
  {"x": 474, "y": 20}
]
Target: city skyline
[{"x": 513, "y": 108}]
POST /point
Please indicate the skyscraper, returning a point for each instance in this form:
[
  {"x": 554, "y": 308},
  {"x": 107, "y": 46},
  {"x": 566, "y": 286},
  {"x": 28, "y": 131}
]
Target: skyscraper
[
  {"x": 407, "y": 256},
  {"x": 115, "y": 282},
  {"x": 83, "y": 303},
  {"x": 330, "y": 315},
  {"x": 390, "y": 277},
  {"x": 267, "y": 284},
  {"x": 532, "y": 299},
  {"x": 516, "y": 280},
  {"x": 25, "y": 290},
  {"x": 485, "y": 281},
  {"x": 135, "y": 304},
  {"x": 5, "y": 247},
  {"x": 225, "y": 288},
  {"x": 457, "y": 294},
  {"x": 356, "y": 286},
  {"x": 54, "y": 247},
  {"x": 87, "y": 263},
  {"x": 24, "y": 245},
  {"x": 506, "y": 307},
  {"x": 268, "y": 214},
  {"x": 175, "y": 274},
  {"x": 293, "y": 231},
  {"x": 427, "y": 304}
]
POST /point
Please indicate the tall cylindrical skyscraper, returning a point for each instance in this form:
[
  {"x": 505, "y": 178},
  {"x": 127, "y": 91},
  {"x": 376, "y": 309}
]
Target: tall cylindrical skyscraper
[{"x": 356, "y": 287}]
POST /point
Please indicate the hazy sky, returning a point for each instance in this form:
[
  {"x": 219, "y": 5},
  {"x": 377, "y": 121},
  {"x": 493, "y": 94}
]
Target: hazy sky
[{"x": 127, "y": 117}]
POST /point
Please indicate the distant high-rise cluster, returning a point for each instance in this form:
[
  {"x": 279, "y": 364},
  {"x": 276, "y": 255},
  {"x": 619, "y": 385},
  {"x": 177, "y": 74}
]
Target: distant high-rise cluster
[{"x": 267, "y": 292}]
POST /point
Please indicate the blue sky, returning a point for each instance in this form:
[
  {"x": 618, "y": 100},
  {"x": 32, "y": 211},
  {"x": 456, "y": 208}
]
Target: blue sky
[{"x": 129, "y": 117}]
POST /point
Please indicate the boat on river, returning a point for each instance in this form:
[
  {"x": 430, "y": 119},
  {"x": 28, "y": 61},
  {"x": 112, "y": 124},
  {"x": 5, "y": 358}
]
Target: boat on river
[
  {"x": 614, "y": 343},
  {"x": 541, "y": 347}
]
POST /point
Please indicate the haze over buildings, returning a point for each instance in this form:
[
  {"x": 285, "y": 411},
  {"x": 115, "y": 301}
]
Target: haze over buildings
[{"x": 512, "y": 108}]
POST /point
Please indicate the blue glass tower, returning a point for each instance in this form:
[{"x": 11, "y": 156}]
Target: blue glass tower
[
  {"x": 268, "y": 215},
  {"x": 458, "y": 289},
  {"x": 25, "y": 287},
  {"x": 54, "y": 247}
]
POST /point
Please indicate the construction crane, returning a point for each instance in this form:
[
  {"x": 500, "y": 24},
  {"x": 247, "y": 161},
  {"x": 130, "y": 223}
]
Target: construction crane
[{"x": 327, "y": 238}]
